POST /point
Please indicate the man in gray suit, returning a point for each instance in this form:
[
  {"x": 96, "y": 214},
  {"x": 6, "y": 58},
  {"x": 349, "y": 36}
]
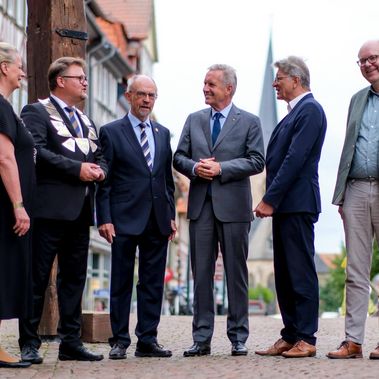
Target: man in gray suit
[
  {"x": 219, "y": 149},
  {"x": 357, "y": 195}
]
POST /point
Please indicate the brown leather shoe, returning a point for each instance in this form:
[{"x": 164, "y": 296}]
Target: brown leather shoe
[
  {"x": 276, "y": 349},
  {"x": 375, "y": 353},
  {"x": 347, "y": 349},
  {"x": 301, "y": 349}
]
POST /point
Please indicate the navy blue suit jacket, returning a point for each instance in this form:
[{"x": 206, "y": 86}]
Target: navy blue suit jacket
[
  {"x": 293, "y": 154},
  {"x": 130, "y": 192}
]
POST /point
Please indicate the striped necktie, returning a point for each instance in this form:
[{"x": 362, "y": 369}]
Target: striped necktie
[
  {"x": 74, "y": 122},
  {"x": 145, "y": 146}
]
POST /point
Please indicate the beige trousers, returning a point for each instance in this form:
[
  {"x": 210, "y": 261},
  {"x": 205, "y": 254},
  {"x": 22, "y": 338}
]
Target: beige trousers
[{"x": 361, "y": 223}]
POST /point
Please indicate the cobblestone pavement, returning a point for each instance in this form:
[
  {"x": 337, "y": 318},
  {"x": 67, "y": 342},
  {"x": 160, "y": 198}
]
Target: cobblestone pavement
[{"x": 175, "y": 333}]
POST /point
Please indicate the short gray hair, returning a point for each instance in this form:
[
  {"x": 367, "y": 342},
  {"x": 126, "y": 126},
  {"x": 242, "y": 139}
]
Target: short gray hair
[
  {"x": 295, "y": 66},
  {"x": 229, "y": 75}
]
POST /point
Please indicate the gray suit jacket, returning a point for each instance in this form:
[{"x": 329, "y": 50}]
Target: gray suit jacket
[
  {"x": 354, "y": 118},
  {"x": 239, "y": 149}
]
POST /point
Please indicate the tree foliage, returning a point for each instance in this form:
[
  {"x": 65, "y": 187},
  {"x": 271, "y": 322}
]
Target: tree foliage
[{"x": 261, "y": 293}]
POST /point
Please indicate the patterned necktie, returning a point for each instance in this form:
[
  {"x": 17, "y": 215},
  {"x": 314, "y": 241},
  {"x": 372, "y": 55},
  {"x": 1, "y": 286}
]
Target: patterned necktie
[
  {"x": 74, "y": 122},
  {"x": 216, "y": 127},
  {"x": 145, "y": 146}
]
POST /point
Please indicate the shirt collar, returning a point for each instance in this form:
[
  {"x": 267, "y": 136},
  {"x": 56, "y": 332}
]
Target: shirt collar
[
  {"x": 224, "y": 111},
  {"x": 294, "y": 101},
  {"x": 61, "y": 103},
  {"x": 373, "y": 93},
  {"x": 136, "y": 121}
]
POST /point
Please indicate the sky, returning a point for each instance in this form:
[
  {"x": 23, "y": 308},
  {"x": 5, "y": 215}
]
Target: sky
[{"x": 192, "y": 35}]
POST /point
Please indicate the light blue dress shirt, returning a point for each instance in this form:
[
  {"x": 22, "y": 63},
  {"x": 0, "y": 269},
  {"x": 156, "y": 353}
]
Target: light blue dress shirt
[{"x": 365, "y": 160}]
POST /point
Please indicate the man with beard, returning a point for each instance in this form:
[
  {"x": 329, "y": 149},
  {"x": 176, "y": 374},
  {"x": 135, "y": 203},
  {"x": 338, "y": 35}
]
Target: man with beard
[{"x": 69, "y": 162}]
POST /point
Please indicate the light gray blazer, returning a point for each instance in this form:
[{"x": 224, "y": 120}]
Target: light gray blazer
[
  {"x": 354, "y": 118},
  {"x": 239, "y": 149}
]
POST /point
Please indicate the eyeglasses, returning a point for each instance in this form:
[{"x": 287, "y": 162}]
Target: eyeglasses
[
  {"x": 371, "y": 59},
  {"x": 82, "y": 78},
  {"x": 279, "y": 78},
  {"x": 142, "y": 95}
]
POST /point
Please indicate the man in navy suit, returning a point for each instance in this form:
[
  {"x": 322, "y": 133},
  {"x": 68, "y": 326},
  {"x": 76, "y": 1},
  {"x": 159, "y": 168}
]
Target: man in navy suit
[
  {"x": 135, "y": 208},
  {"x": 293, "y": 200},
  {"x": 69, "y": 162}
]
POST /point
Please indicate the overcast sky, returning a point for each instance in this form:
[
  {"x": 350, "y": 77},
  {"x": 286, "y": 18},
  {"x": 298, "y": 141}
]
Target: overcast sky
[{"x": 192, "y": 35}]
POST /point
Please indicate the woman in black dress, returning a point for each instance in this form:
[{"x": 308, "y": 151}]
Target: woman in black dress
[{"x": 16, "y": 188}]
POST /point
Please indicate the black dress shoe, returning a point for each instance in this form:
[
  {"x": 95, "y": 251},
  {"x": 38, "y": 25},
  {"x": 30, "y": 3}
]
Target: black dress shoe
[
  {"x": 79, "y": 353},
  {"x": 118, "y": 351},
  {"x": 151, "y": 350},
  {"x": 29, "y": 353},
  {"x": 239, "y": 348},
  {"x": 19, "y": 364},
  {"x": 197, "y": 349}
]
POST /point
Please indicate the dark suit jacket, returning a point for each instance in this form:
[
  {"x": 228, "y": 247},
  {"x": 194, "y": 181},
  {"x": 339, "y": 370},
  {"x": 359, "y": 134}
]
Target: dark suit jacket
[
  {"x": 293, "y": 154},
  {"x": 127, "y": 197},
  {"x": 239, "y": 149},
  {"x": 60, "y": 193}
]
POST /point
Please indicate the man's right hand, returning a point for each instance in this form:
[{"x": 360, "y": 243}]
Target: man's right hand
[
  {"x": 107, "y": 231},
  {"x": 90, "y": 172}
]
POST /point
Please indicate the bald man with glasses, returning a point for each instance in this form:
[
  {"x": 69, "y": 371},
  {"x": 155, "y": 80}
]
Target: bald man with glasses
[{"x": 357, "y": 197}]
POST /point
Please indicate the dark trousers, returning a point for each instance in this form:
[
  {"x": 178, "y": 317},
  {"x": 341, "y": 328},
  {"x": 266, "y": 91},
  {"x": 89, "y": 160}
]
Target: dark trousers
[
  {"x": 152, "y": 254},
  {"x": 68, "y": 240},
  {"x": 296, "y": 279},
  {"x": 205, "y": 235}
]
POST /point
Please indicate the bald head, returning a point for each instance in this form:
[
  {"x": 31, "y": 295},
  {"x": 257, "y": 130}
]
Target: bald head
[{"x": 368, "y": 61}]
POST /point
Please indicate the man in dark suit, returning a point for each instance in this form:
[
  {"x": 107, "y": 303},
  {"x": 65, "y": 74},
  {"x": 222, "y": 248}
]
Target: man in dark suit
[
  {"x": 293, "y": 200},
  {"x": 219, "y": 149},
  {"x": 135, "y": 208},
  {"x": 69, "y": 162}
]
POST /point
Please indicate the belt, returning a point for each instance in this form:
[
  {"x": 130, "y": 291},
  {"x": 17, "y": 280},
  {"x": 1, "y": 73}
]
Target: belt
[{"x": 367, "y": 179}]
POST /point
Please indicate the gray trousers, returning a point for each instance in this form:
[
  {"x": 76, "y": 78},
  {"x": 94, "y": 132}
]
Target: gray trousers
[
  {"x": 361, "y": 223},
  {"x": 205, "y": 235}
]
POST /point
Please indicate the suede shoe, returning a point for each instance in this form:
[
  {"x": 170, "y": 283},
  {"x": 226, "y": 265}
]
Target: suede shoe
[
  {"x": 301, "y": 349},
  {"x": 375, "y": 353},
  {"x": 239, "y": 348},
  {"x": 118, "y": 351},
  {"x": 198, "y": 349},
  {"x": 153, "y": 350},
  {"x": 276, "y": 349},
  {"x": 347, "y": 349},
  {"x": 78, "y": 353},
  {"x": 29, "y": 353}
]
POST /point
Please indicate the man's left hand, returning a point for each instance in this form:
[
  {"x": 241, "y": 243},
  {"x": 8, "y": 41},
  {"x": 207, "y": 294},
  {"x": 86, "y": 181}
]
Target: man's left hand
[
  {"x": 264, "y": 210},
  {"x": 173, "y": 230}
]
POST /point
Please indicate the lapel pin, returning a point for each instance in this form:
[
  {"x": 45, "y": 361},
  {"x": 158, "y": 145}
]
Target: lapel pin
[{"x": 156, "y": 129}]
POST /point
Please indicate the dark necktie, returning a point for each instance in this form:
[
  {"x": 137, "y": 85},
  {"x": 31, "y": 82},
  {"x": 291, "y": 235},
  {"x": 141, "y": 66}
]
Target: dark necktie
[
  {"x": 145, "y": 146},
  {"x": 74, "y": 122},
  {"x": 216, "y": 127}
]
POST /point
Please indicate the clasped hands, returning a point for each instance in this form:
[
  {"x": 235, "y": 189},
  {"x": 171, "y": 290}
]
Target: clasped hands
[
  {"x": 207, "y": 168},
  {"x": 90, "y": 172}
]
